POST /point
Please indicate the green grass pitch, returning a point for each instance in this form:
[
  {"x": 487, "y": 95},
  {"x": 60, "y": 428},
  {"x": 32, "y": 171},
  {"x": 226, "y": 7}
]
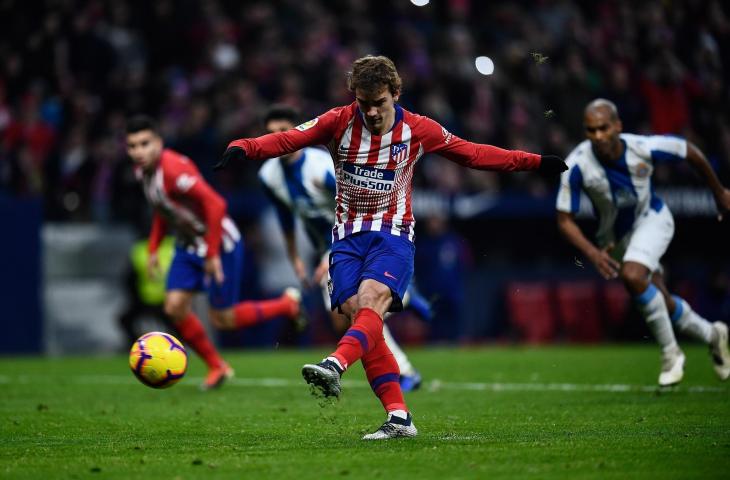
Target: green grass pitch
[{"x": 492, "y": 412}]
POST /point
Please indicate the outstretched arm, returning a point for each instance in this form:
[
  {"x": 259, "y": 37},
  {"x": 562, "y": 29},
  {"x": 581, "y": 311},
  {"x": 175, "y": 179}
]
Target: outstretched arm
[
  {"x": 601, "y": 258},
  {"x": 699, "y": 162},
  {"x": 484, "y": 157},
  {"x": 318, "y": 131}
]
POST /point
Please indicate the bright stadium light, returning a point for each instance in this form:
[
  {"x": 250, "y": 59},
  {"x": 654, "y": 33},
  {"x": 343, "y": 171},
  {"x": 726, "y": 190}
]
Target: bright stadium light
[
  {"x": 420, "y": 3},
  {"x": 484, "y": 65}
]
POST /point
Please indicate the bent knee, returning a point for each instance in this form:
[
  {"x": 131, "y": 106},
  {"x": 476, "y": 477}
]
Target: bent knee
[
  {"x": 222, "y": 319},
  {"x": 373, "y": 291},
  {"x": 176, "y": 309},
  {"x": 635, "y": 277},
  {"x": 348, "y": 309}
]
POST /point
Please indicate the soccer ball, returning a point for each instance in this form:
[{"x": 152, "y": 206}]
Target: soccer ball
[{"x": 158, "y": 359}]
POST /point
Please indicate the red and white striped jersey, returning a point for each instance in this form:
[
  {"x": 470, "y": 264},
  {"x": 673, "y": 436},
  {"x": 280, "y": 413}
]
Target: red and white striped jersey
[
  {"x": 374, "y": 172},
  {"x": 184, "y": 201}
]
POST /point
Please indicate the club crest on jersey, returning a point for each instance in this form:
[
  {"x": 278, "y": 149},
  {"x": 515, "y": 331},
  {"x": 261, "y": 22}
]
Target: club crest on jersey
[
  {"x": 308, "y": 124},
  {"x": 642, "y": 170},
  {"x": 398, "y": 152},
  {"x": 184, "y": 182}
]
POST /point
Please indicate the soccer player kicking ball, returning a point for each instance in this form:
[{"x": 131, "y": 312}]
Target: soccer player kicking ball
[
  {"x": 375, "y": 144},
  {"x": 614, "y": 169},
  {"x": 302, "y": 184},
  {"x": 208, "y": 253}
]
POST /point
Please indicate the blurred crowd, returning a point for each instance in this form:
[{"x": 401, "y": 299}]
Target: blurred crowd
[{"x": 208, "y": 69}]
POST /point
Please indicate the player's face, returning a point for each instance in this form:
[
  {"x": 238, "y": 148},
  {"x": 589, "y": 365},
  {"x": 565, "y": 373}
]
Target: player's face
[
  {"x": 378, "y": 108},
  {"x": 282, "y": 125},
  {"x": 144, "y": 148},
  {"x": 603, "y": 131}
]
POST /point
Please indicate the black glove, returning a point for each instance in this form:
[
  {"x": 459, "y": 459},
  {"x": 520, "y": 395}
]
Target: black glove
[
  {"x": 232, "y": 153},
  {"x": 551, "y": 164}
]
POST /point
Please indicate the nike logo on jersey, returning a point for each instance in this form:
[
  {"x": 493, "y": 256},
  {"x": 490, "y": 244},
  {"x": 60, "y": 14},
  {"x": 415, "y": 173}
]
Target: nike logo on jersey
[
  {"x": 387, "y": 274},
  {"x": 447, "y": 135},
  {"x": 625, "y": 198}
]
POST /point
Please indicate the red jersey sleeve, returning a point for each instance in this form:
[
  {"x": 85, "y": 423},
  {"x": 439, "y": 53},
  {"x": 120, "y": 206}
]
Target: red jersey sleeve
[
  {"x": 437, "y": 139},
  {"x": 184, "y": 181},
  {"x": 318, "y": 131},
  {"x": 156, "y": 233}
]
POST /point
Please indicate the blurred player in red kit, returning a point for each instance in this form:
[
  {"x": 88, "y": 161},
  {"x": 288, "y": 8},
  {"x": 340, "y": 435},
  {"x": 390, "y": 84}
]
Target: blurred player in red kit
[
  {"x": 375, "y": 144},
  {"x": 208, "y": 252}
]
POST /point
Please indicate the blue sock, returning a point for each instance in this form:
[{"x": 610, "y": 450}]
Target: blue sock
[{"x": 419, "y": 304}]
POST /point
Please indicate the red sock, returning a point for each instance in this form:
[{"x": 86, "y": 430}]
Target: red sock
[
  {"x": 252, "y": 313},
  {"x": 192, "y": 332},
  {"x": 383, "y": 374},
  {"x": 366, "y": 331}
]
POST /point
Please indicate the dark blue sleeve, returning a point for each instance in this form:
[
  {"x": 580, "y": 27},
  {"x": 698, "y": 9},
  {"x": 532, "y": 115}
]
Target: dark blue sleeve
[
  {"x": 667, "y": 148},
  {"x": 667, "y": 157},
  {"x": 330, "y": 183},
  {"x": 576, "y": 185}
]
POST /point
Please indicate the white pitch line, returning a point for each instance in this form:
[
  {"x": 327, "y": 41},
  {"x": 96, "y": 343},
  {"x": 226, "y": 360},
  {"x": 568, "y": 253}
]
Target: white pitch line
[
  {"x": 433, "y": 385},
  {"x": 566, "y": 387}
]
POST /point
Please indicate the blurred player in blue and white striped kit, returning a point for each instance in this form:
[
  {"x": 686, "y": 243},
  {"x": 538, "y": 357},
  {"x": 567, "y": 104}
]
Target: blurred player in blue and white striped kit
[{"x": 635, "y": 227}]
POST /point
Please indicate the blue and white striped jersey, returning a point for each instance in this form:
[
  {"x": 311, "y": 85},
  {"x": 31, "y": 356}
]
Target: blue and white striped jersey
[
  {"x": 306, "y": 189},
  {"x": 621, "y": 192}
]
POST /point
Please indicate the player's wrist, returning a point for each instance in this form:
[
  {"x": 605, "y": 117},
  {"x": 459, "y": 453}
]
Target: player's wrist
[
  {"x": 593, "y": 254},
  {"x": 718, "y": 191},
  {"x": 233, "y": 152}
]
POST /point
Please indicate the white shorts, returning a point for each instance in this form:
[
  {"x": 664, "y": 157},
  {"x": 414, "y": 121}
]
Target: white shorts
[{"x": 648, "y": 241}]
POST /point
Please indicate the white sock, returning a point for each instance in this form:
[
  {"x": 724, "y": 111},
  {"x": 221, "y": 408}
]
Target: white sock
[
  {"x": 399, "y": 413},
  {"x": 406, "y": 298},
  {"x": 403, "y": 363},
  {"x": 690, "y": 323},
  {"x": 337, "y": 362},
  {"x": 654, "y": 309}
]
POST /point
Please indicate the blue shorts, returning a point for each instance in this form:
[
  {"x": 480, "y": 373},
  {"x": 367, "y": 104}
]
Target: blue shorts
[
  {"x": 187, "y": 273},
  {"x": 380, "y": 256}
]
